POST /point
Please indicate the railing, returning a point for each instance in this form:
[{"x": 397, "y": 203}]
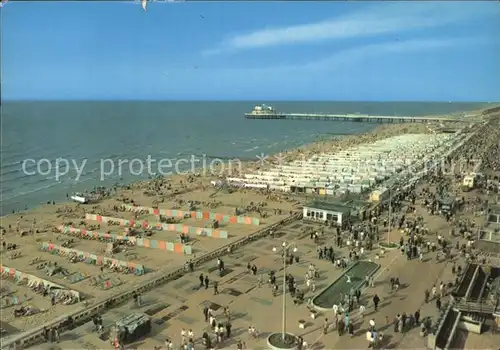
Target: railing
[
  {"x": 472, "y": 282},
  {"x": 464, "y": 283},
  {"x": 85, "y": 313},
  {"x": 453, "y": 331},
  {"x": 439, "y": 336},
  {"x": 472, "y": 306}
]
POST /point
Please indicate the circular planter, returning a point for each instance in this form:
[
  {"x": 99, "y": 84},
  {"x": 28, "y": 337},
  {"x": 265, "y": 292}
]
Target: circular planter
[
  {"x": 275, "y": 341},
  {"x": 388, "y": 245}
]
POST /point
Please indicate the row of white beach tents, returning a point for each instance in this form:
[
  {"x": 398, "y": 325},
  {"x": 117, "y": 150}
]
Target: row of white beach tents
[{"x": 350, "y": 170}]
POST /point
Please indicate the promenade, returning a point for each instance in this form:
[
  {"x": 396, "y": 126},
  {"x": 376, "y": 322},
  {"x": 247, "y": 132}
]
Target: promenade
[{"x": 179, "y": 305}]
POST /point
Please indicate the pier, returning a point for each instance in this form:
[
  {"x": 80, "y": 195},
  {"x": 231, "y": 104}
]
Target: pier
[{"x": 351, "y": 117}]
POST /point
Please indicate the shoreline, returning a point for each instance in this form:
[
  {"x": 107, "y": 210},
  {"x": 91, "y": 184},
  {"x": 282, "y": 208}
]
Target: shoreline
[
  {"x": 133, "y": 182},
  {"x": 323, "y": 143},
  {"x": 204, "y": 161},
  {"x": 37, "y": 189},
  {"x": 330, "y": 143}
]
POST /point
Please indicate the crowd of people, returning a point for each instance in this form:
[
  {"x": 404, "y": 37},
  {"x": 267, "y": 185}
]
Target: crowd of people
[{"x": 410, "y": 210}]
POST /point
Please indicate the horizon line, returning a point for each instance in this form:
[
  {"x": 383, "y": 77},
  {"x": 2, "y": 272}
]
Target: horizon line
[{"x": 238, "y": 100}]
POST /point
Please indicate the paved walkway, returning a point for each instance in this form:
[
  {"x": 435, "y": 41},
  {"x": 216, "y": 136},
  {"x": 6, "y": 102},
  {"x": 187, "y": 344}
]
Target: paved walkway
[
  {"x": 179, "y": 304},
  {"x": 415, "y": 277}
]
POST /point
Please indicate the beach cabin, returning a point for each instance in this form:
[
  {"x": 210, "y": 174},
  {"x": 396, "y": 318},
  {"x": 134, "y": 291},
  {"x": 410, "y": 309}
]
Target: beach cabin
[
  {"x": 323, "y": 211},
  {"x": 298, "y": 189}
]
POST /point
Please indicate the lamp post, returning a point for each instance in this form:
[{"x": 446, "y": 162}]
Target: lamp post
[{"x": 285, "y": 247}]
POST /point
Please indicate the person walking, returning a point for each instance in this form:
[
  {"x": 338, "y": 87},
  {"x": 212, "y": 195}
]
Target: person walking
[
  {"x": 325, "y": 326},
  {"x": 376, "y": 300},
  {"x": 362, "y": 309}
]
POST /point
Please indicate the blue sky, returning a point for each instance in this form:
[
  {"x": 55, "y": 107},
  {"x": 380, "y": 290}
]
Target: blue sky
[{"x": 380, "y": 51}]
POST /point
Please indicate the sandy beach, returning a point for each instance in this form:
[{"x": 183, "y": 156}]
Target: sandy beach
[{"x": 29, "y": 230}]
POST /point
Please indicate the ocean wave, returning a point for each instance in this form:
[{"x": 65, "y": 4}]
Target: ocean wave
[
  {"x": 251, "y": 149},
  {"x": 23, "y": 193},
  {"x": 91, "y": 171},
  {"x": 24, "y": 176},
  {"x": 33, "y": 165},
  {"x": 7, "y": 190},
  {"x": 62, "y": 185},
  {"x": 16, "y": 179},
  {"x": 73, "y": 182},
  {"x": 36, "y": 178},
  {"x": 115, "y": 156},
  {"x": 17, "y": 155},
  {"x": 41, "y": 180},
  {"x": 11, "y": 171},
  {"x": 7, "y": 165},
  {"x": 30, "y": 168}
]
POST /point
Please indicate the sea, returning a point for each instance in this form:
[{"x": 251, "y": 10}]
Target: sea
[{"x": 54, "y": 148}]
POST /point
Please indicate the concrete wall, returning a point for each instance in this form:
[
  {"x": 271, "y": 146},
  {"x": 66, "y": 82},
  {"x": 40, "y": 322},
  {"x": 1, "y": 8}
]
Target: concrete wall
[{"x": 471, "y": 326}]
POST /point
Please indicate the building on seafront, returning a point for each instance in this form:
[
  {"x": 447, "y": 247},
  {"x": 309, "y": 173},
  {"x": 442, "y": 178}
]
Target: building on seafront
[
  {"x": 335, "y": 212},
  {"x": 322, "y": 211}
]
